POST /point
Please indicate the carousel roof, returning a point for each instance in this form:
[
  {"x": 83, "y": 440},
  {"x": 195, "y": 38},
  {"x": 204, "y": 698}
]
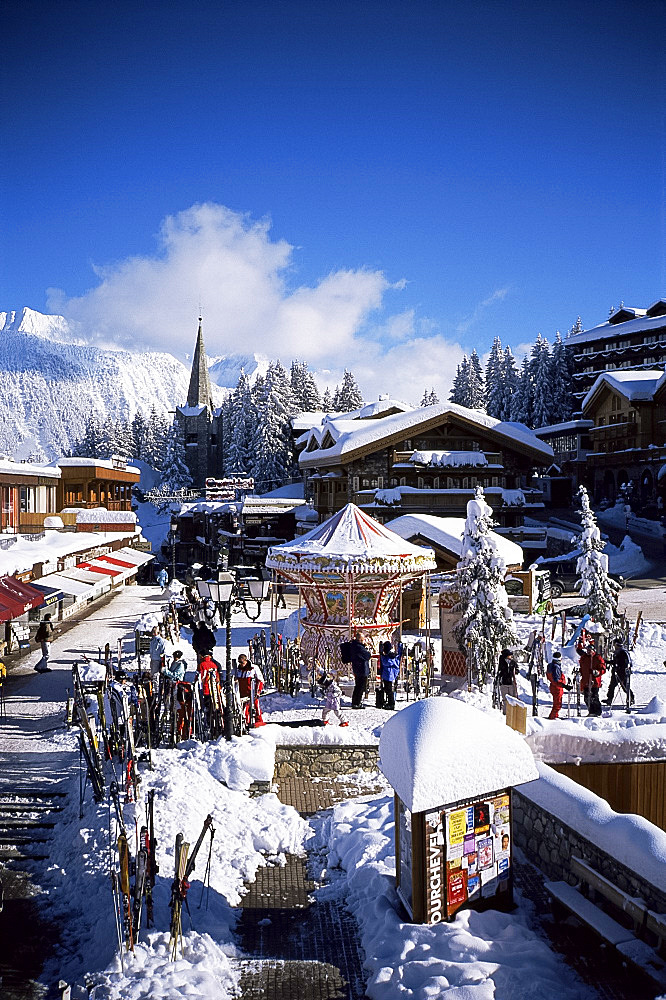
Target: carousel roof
[{"x": 351, "y": 542}]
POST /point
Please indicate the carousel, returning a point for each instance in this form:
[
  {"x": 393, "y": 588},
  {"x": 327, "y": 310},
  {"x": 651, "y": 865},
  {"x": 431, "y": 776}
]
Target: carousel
[{"x": 351, "y": 572}]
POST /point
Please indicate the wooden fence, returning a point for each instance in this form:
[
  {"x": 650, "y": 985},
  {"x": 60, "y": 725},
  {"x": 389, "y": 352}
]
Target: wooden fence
[{"x": 638, "y": 788}]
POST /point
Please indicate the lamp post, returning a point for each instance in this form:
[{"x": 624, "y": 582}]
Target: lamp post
[
  {"x": 174, "y": 532},
  {"x": 226, "y": 597}
]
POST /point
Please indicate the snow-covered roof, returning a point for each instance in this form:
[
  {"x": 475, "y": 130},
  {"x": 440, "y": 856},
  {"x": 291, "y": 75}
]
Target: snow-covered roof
[
  {"x": 9, "y": 466},
  {"x": 447, "y": 532},
  {"x": 633, "y": 383},
  {"x": 349, "y": 437},
  {"x": 609, "y": 331},
  {"x": 567, "y": 425},
  {"x": 100, "y": 515},
  {"x": 351, "y": 542},
  {"x": 24, "y": 553},
  {"x": 93, "y": 463},
  {"x": 441, "y": 750},
  {"x": 192, "y": 411},
  {"x": 315, "y": 418}
]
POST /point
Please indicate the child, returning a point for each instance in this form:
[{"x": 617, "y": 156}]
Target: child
[{"x": 333, "y": 694}]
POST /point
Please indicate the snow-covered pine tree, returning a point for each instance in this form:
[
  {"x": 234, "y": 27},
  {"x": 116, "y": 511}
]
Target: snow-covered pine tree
[
  {"x": 240, "y": 426},
  {"x": 139, "y": 434},
  {"x": 594, "y": 584},
  {"x": 296, "y": 381},
  {"x": 486, "y": 623},
  {"x": 175, "y": 473},
  {"x": 477, "y": 389},
  {"x": 460, "y": 387},
  {"x": 510, "y": 382},
  {"x": 122, "y": 439},
  {"x": 577, "y": 327},
  {"x": 271, "y": 443},
  {"x": 429, "y": 398},
  {"x": 335, "y": 403},
  {"x": 327, "y": 401},
  {"x": 521, "y": 401},
  {"x": 350, "y": 397},
  {"x": 560, "y": 382},
  {"x": 540, "y": 371},
  {"x": 495, "y": 391},
  {"x": 311, "y": 396}
]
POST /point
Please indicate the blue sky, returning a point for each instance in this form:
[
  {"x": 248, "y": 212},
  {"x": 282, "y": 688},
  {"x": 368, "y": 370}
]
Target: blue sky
[{"x": 376, "y": 184}]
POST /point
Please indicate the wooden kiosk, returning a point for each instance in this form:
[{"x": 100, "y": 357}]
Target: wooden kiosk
[{"x": 452, "y": 768}]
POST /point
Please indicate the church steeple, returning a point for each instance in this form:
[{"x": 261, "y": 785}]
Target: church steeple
[{"x": 200, "y": 392}]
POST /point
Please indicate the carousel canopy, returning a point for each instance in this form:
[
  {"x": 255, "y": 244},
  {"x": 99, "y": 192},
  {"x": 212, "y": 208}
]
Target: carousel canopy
[{"x": 351, "y": 542}]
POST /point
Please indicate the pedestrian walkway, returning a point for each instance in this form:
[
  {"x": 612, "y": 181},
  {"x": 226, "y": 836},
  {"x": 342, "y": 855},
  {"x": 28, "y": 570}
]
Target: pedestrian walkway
[{"x": 298, "y": 945}]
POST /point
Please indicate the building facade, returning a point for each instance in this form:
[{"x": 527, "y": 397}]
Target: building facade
[
  {"x": 96, "y": 482},
  {"x": 428, "y": 460},
  {"x": 28, "y": 494},
  {"x": 630, "y": 339}
]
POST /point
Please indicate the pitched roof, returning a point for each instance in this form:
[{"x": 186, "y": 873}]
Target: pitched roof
[
  {"x": 200, "y": 392},
  {"x": 634, "y": 384},
  {"x": 447, "y": 533},
  {"x": 350, "y": 542},
  {"x": 349, "y": 437}
]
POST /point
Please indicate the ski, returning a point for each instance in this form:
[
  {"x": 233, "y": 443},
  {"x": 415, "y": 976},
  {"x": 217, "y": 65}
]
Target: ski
[
  {"x": 123, "y": 854},
  {"x": 140, "y": 875},
  {"x": 179, "y": 889},
  {"x": 151, "y": 845}
]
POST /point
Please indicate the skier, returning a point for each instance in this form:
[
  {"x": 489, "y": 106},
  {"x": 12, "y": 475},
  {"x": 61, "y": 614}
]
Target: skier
[
  {"x": 44, "y": 636},
  {"x": 175, "y": 670},
  {"x": 157, "y": 651},
  {"x": 333, "y": 694},
  {"x": 208, "y": 668},
  {"x": 557, "y": 681},
  {"x": 250, "y": 675},
  {"x": 592, "y": 669},
  {"x": 506, "y": 676},
  {"x": 203, "y": 640},
  {"x": 162, "y": 578},
  {"x": 620, "y": 672},
  {"x": 360, "y": 660},
  {"x": 389, "y": 668}
]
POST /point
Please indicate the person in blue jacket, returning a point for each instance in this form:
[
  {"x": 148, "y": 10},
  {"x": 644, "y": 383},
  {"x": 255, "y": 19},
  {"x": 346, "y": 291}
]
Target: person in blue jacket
[{"x": 389, "y": 664}]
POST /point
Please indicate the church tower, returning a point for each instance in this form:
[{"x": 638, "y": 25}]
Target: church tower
[{"x": 200, "y": 421}]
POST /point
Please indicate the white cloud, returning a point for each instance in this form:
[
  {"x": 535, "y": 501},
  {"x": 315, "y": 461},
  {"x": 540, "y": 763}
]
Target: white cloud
[
  {"x": 243, "y": 278},
  {"x": 497, "y": 296}
]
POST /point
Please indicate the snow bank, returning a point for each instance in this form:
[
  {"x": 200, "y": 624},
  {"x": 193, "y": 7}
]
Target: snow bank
[
  {"x": 632, "y": 840},
  {"x": 442, "y": 750}
]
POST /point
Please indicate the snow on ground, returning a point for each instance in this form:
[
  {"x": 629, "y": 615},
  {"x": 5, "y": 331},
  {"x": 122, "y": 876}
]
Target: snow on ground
[{"x": 477, "y": 957}]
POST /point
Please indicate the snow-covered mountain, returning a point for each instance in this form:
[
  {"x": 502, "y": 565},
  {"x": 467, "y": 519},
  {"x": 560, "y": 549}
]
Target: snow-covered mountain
[
  {"x": 225, "y": 370},
  {"x": 51, "y": 381}
]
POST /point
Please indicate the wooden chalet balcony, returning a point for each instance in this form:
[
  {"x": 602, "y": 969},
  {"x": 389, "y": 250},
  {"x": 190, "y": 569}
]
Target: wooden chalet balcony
[
  {"x": 401, "y": 457},
  {"x": 428, "y": 502}
]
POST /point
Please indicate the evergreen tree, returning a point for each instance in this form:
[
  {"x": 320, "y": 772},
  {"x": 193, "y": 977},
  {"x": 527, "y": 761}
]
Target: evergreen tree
[
  {"x": 327, "y": 401},
  {"x": 240, "y": 428},
  {"x": 311, "y": 397},
  {"x": 429, "y": 398},
  {"x": 460, "y": 387},
  {"x": 272, "y": 458},
  {"x": 122, "y": 439},
  {"x": 495, "y": 387},
  {"x": 560, "y": 382},
  {"x": 297, "y": 380},
  {"x": 486, "y": 624},
  {"x": 477, "y": 389},
  {"x": 521, "y": 401},
  {"x": 577, "y": 327},
  {"x": 540, "y": 373},
  {"x": 139, "y": 434},
  {"x": 510, "y": 383},
  {"x": 175, "y": 473},
  {"x": 594, "y": 584},
  {"x": 349, "y": 397},
  {"x": 335, "y": 404}
]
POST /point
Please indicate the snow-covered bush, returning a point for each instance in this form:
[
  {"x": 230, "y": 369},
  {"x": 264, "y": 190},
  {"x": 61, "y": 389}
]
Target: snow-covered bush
[{"x": 594, "y": 583}]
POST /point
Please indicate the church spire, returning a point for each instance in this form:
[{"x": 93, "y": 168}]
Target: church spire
[{"x": 200, "y": 392}]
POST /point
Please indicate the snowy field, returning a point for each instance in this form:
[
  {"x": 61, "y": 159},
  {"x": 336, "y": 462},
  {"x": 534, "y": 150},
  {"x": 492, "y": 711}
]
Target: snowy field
[{"x": 478, "y": 956}]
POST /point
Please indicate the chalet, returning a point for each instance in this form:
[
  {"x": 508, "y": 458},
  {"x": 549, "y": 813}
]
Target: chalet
[
  {"x": 28, "y": 494},
  {"x": 95, "y": 482},
  {"x": 571, "y": 444},
  {"x": 426, "y": 460},
  {"x": 630, "y": 339},
  {"x": 628, "y": 411}
]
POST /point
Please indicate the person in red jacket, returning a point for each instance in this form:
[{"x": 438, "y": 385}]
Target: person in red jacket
[
  {"x": 592, "y": 669},
  {"x": 250, "y": 685}
]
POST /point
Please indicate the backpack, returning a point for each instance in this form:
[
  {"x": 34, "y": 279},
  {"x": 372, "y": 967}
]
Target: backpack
[{"x": 345, "y": 652}]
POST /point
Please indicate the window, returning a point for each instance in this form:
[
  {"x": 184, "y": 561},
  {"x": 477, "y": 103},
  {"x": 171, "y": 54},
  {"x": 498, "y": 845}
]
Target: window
[
  {"x": 28, "y": 499},
  {"x": 435, "y": 483},
  {"x": 380, "y": 482},
  {"x": 419, "y": 482},
  {"x": 601, "y": 421},
  {"x": 355, "y": 484},
  {"x": 495, "y": 480},
  {"x": 403, "y": 481},
  {"x": 449, "y": 483}
]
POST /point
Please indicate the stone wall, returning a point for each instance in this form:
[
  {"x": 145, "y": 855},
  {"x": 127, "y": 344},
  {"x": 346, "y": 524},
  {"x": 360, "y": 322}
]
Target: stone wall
[
  {"x": 323, "y": 761},
  {"x": 550, "y": 844}
]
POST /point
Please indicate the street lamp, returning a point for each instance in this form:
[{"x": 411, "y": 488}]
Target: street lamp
[
  {"x": 174, "y": 532},
  {"x": 224, "y": 593}
]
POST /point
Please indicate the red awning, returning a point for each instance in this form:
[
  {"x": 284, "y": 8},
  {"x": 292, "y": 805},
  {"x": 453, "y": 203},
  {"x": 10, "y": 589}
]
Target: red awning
[
  {"x": 96, "y": 568},
  {"x": 118, "y": 562},
  {"x": 18, "y": 597}
]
